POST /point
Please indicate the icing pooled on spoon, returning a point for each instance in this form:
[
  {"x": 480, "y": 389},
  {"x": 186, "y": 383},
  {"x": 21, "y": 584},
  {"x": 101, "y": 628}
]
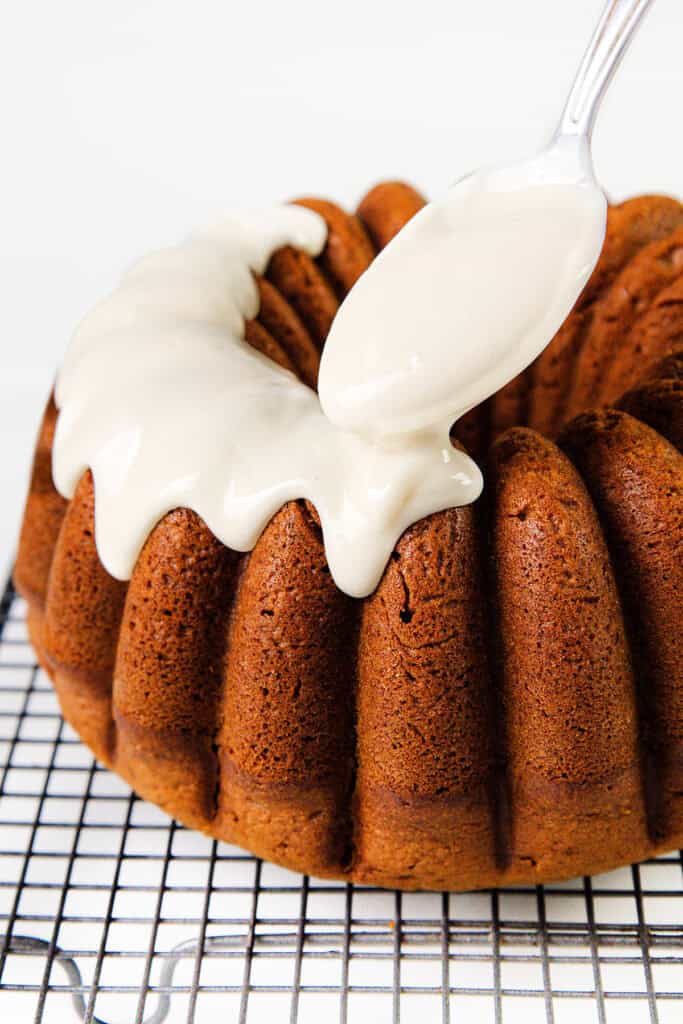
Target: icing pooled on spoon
[{"x": 463, "y": 299}]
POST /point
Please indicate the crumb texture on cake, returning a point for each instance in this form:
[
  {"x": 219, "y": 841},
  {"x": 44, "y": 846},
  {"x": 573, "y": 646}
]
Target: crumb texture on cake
[{"x": 507, "y": 706}]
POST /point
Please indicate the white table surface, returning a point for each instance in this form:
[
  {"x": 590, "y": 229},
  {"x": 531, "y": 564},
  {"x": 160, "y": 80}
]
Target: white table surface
[{"x": 124, "y": 123}]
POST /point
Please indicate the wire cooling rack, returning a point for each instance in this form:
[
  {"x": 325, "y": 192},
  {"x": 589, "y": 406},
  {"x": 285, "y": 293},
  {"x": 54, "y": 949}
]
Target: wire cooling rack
[{"x": 112, "y": 912}]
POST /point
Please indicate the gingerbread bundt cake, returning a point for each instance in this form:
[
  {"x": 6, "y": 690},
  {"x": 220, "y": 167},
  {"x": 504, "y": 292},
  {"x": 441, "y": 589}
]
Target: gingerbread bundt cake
[{"x": 507, "y": 705}]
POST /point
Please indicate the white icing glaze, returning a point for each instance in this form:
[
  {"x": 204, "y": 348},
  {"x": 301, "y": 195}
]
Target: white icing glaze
[
  {"x": 460, "y": 302},
  {"x": 161, "y": 397}
]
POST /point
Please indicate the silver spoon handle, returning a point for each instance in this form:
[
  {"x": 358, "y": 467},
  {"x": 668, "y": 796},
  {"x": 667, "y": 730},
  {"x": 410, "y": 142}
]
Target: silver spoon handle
[{"x": 608, "y": 44}]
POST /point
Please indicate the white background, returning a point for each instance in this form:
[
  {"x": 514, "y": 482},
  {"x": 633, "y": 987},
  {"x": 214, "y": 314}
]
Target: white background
[{"x": 123, "y": 122}]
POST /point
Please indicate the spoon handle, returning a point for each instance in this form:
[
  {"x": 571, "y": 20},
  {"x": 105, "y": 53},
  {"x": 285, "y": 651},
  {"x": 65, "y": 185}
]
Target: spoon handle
[{"x": 608, "y": 44}]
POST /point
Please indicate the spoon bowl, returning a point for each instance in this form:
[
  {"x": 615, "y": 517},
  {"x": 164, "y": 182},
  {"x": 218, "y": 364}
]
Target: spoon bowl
[{"x": 472, "y": 290}]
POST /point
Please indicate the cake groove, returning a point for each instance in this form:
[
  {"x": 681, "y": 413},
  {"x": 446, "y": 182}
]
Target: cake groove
[
  {"x": 614, "y": 316},
  {"x": 84, "y": 605},
  {"x": 348, "y": 251},
  {"x": 670, "y": 368},
  {"x": 43, "y": 516},
  {"x": 659, "y": 404},
  {"x": 631, "y": 225},
  {"x": 636, "y": 480},
  {"x": 508, "y": 407},
  {"x": 651, "y": 339},
  {"x": 300, "y": 280},
  {"x": 281, "y": 321}
]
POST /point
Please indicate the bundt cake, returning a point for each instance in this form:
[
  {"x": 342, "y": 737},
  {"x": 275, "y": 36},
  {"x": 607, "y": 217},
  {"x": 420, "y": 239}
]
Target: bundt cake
[{"x": 507, "y": 705}]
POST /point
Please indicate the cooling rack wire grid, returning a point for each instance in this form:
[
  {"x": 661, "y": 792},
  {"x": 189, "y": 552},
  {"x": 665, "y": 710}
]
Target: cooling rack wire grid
[{"x": 111, "y": 912}]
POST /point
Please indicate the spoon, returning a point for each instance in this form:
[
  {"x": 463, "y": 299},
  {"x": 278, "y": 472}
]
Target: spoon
[{"x": 476, "y": 285}]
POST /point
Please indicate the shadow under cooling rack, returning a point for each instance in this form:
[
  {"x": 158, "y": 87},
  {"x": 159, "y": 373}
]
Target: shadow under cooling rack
[{"x": 110, "y": 911}]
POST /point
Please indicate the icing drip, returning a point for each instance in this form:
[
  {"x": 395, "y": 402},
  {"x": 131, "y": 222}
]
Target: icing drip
[{"x": 161, "y": 397}]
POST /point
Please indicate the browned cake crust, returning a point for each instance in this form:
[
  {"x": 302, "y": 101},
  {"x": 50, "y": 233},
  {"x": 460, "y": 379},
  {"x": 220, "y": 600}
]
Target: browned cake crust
[
  {"x": 670, "y": 368},
  {"x": 566, "y": 687},
  {"x": 507, "y": 408},
  {"x": 284, "y": 325},
  {"x": 658, "y": 403},
  {"x": 653, "y": 337},
  {"x": 386, "y": 208},
  {"x": 303, "y": 284},
  {"x": 43, "y": 515},
  {"x": 260, "y": 338},
  {"x": 81, "y": 624},
  {"x": 349, "y": 251},
  {"x": 630, "y": 226},
  {"x": 636, "y": 480},
  {"x": 605, "y": 355},
  {"x": 507, "y": 706},
  {"x": 425, "y": 787}
]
